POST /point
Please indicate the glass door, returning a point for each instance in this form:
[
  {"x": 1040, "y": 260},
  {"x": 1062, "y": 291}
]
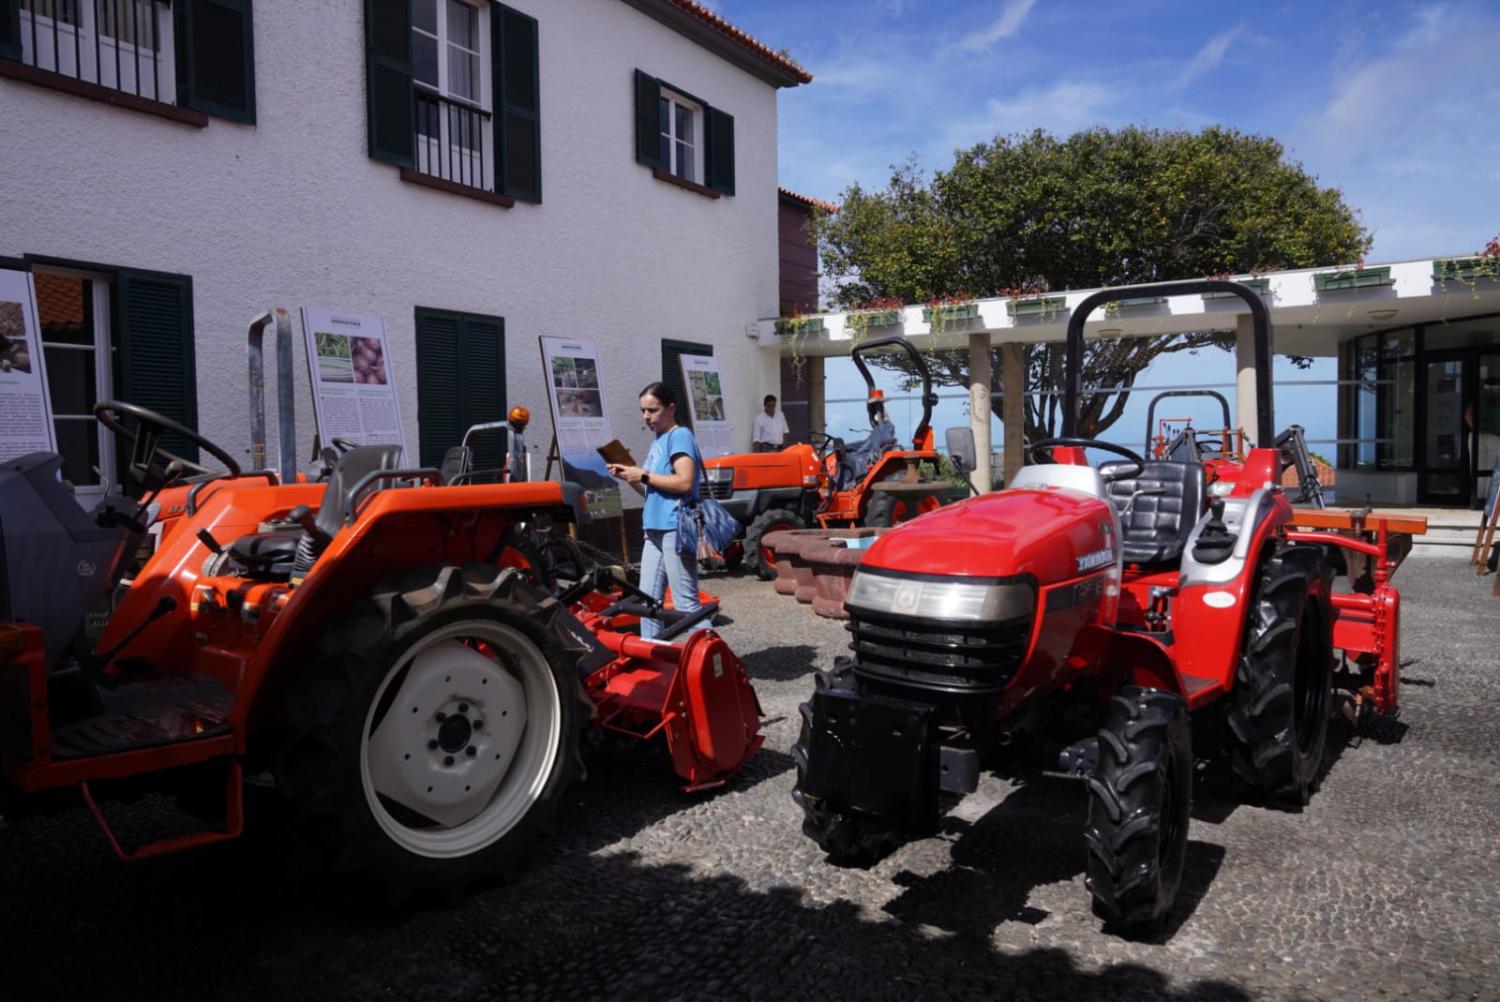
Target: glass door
[
  {"x": 1486, "y": 429},
  {"x": 1444, "y": 462}
]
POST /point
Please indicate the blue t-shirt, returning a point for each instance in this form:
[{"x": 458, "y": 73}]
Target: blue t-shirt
[{"x": 661, "y": 508}]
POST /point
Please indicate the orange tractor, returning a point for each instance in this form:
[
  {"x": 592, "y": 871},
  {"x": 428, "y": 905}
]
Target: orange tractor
[
  {"x": 395, "y": 654},
  {"x": 874, "y": 482}
]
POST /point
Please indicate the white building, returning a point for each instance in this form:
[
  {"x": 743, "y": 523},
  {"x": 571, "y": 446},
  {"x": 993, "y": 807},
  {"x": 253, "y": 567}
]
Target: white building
[{"x": 477, "y": 174}]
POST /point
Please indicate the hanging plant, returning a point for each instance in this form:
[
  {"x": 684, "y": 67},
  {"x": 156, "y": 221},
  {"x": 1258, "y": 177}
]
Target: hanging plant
[
  {"x": 1469, "y": 271},
  {"x": 884, "y": 311},
  {"x": 798, "y": 325},
  {"x": 947, "y": 310}
]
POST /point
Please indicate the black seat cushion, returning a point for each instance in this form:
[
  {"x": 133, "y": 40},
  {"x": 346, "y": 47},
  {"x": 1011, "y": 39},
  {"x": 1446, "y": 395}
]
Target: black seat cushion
[
  {"x": 265, "y": 550},
  {"x": 1157, "y": 525}
]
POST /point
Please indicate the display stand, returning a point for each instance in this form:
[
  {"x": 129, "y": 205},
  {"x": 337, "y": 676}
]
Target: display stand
[{"x": 553, "y": 455}]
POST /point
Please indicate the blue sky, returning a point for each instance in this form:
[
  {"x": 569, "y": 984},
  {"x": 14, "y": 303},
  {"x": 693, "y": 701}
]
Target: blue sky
[{"x": 1395, "y": 104}]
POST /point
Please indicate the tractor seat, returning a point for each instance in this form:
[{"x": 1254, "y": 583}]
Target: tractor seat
[
  {"x": 1157, "y": 525},
  {"x": 276, "y": 552},
  {"x": 882, "y": 439},
  {"x": 456, "y": 463}
]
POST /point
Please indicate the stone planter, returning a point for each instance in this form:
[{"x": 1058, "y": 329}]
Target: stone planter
[{"x": 814, "y": 565}]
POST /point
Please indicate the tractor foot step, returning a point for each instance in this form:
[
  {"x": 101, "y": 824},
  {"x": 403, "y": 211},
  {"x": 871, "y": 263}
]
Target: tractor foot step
[{"x": 146, "y": 714}]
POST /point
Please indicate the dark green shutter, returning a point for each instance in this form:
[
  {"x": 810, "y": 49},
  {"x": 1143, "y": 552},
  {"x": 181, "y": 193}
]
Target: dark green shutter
[
  {"x": 10, "y": 29},
  {"x": 153, "y": 335},
  {"x": 216, "y": 53},
  {"x": 647, "y": 120},
  {"x": 518, "y": 139},
  {"x": 671, "y": 372},
  {"x": 460, "y": 383},
  {"x": 388, "y": 90},
  {"x": 718, "y": 154}
]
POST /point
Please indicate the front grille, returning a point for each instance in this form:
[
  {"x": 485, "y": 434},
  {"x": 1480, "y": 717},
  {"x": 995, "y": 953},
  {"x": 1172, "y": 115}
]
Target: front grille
[
  {"x": 949, "y": 657},
  {"x": 718, "y": 491}
]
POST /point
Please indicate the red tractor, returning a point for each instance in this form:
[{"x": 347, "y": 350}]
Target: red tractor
[
  {"x": 1105, "y": 619},
  {"x": 874, "y": 482},
  {"x": 395, "y": 655}
]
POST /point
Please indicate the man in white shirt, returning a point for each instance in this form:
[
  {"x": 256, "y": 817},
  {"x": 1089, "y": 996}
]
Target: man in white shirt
[{"x": 770, "y": 427}]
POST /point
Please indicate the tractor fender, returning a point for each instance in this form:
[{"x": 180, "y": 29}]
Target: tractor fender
[
  {"x": 397, "y": 530},
  {"x": 1208, "y": 618}
]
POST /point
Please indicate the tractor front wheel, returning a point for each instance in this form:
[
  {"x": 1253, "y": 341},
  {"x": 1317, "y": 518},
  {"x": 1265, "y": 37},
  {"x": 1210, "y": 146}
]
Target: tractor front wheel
[
  {"x": 1284, "y": 683},
  {"x": 758, "y": 557},
  {"x": 1139, "y": 798},
  {"x": 435, "y": 733}
]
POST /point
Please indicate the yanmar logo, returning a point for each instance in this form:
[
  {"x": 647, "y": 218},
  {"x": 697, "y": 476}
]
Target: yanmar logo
[{"x": 1098, "y": 558}]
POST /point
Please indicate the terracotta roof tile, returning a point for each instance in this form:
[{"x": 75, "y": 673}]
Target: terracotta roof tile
[
  {"x": 808, "y": 200},
  {"x": 762, "y": 50}
]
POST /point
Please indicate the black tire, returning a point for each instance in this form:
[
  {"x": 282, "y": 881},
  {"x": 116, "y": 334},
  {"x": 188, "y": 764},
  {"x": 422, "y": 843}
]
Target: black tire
[
  {"x": 849, "y": 837},
  {"x": 880, "y": 512},
  {"x": 339, "y": 705},
  {"x": 768, "y": 521},
  {"x": 1139, "y": 799},
  {"x": 1284, "y": 683}
]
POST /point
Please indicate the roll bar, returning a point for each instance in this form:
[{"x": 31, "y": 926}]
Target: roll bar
[
  {"x": 929, "y": 398},
  {"x": 1151, "y": 410},
  {"x": 286, "y": 400},
  {"x": 1073, "y": 379}
]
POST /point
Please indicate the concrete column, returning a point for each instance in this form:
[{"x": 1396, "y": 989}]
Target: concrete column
[
  {"x": 980, "y": 379},
  {"x": 816, "y": 412},
  {"x": 1013, "y": 405},
  {"x": 1246, "y": 413}
]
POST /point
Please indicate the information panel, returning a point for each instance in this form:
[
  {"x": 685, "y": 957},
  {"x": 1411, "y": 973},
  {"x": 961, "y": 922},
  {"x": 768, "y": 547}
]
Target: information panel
[
  {"x": 25, "y": 410},
  {"x": 576, "y": 394},
  {"x": 705, "y": 389},
  {"x": 354, "y": 394}
]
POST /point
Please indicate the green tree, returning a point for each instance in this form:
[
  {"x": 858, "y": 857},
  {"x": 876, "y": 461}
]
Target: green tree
[{"x": 1031, "y": 213}]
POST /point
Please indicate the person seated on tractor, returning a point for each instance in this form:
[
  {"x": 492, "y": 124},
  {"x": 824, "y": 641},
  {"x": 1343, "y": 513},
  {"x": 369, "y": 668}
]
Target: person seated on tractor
[
  {"x": 858, "y": 460},
  {"x": 669, "y": 475}
]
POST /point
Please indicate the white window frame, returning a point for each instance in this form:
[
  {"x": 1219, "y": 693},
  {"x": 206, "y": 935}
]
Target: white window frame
[
  {"x": 101, "y": 289},
  {"x": 83, "y": 53},
  {"x": 444, "y": 156},
  {"x": 692, "y": 169}
]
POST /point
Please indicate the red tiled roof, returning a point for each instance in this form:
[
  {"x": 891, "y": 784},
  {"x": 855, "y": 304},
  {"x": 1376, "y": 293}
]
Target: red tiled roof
[
  {"x": 808, "y": 200},
  {"x": 762, "y": 50}
]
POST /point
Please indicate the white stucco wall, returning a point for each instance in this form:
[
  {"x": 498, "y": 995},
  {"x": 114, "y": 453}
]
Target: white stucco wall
[{"x": 293, "y": 212}]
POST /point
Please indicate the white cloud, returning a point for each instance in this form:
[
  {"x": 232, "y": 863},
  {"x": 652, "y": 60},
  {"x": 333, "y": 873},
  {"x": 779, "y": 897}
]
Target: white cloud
[
  {"x": 1062, "y": 109},
  {"x": 1209, "y": 57},
  {"x": 1006, "y": 25},
  {"x": 1409, "y": 137}
]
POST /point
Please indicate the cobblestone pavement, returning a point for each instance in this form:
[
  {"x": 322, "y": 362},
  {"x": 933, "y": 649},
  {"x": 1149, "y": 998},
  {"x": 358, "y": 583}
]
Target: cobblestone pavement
[{"x": 1384, "y": 887}]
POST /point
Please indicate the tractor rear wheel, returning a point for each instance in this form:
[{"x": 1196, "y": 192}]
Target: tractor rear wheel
[
  {"x": 1140, "y": 795},
  {"x": 435, "y": 733},
  {"x": 757, "y": 557},
  {"x": 849, "y": 836},
  {"x": 1284, "y": 683}
]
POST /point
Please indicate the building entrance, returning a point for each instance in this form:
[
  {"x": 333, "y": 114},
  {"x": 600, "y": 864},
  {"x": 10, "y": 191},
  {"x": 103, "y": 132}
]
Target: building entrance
[{"x": 1460, "y": 432}]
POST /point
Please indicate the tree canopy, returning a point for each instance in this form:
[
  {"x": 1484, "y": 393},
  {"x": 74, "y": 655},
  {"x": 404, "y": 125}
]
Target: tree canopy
[{"x": 1033, "y": 213}]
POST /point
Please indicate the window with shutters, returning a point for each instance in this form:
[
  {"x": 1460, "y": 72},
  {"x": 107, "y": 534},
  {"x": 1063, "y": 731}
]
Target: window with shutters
[
  {"x": 171, "y": 59},
  {"x": 453, "y": 95},
  {"x": 113, "y": 334},
  {"x": 460, "y": 383},
  {"x": 682, "y": 138}
]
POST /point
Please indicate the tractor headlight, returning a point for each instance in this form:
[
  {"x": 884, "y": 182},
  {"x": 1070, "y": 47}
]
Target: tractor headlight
[
  {"x": 719, "y": 474},
  {"x": 1221, "y": 488},
  {"x": 952, "y": 599}
]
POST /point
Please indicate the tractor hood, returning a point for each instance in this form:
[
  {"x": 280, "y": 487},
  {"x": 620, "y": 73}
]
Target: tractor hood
[
  {"x": 1051, "y": 534},
  {"x": 794, "y": 466}
]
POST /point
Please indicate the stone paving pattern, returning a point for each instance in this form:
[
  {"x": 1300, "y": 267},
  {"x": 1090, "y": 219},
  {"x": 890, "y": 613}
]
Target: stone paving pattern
[{"x": 1386, "y": 886}]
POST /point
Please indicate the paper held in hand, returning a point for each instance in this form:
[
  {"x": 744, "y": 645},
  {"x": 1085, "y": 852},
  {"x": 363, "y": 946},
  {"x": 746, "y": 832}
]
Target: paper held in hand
[{"x": 614, "y": 452}]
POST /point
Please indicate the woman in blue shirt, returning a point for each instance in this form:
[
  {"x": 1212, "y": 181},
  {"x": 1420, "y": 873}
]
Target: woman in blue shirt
[{"x": 669, "y": 474}]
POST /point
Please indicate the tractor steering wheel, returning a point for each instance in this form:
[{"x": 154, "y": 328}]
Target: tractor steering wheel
[
  {"x": 146, "y": 444},
  {"x": 1136, "y": 466}
]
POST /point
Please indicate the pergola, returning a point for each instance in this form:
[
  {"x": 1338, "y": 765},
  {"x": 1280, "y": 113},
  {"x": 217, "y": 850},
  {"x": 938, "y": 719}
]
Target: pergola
[{"x": 1312, "y": 311}]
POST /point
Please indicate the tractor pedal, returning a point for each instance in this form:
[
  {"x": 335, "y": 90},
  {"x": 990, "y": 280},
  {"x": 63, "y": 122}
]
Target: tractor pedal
[
  {"x": 1077, "y": 761},
  {"x": 234, "y": 822}
]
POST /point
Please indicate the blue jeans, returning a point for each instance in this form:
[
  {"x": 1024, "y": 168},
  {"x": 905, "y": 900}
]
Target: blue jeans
[{"x": 661, "y": 564}]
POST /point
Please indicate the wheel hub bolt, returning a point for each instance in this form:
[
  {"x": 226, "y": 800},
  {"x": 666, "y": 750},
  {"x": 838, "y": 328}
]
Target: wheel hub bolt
[
  {"x": 478, "y": 725},
  {"x": 447, "y": 759},
  {"x": 432, "y": 745},
  {"x": 440, "y": 716},
  {"x": 463, "y": 707},
  {"x": 471, "y": 751}
]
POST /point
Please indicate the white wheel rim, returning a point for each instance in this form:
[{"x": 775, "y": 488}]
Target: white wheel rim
[{"x": 458, "y": 744}]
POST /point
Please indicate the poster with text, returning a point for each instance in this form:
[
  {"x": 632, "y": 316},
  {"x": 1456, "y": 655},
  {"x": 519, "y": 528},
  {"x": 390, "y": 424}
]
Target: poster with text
[
  {"x": 25, "y": 410},
  {"x": 354, "y": 394},
  {"x": 576, "y": 393},
  {"x": 705, "y": 390}
]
